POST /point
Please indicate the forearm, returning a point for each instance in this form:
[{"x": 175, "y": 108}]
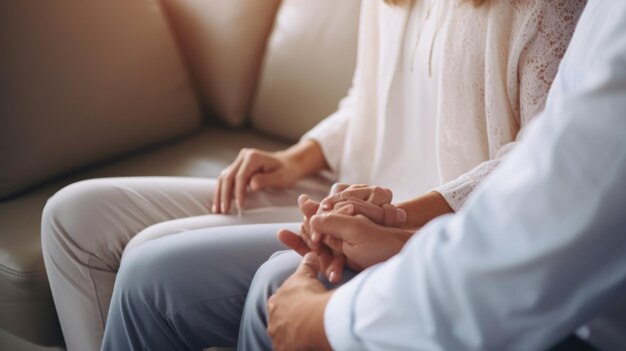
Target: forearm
[
  {"x": 423, "y": 209},
  {"x": 304, "y": 158}
]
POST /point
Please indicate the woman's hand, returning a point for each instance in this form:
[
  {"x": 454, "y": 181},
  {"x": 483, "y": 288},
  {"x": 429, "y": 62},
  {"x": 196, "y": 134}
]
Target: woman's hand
[
  {"x": 259, "y": 170},
  {"x": 373, "y": 194}
]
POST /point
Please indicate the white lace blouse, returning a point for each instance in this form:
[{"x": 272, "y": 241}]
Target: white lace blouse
[{"x": 491, "y": 68}]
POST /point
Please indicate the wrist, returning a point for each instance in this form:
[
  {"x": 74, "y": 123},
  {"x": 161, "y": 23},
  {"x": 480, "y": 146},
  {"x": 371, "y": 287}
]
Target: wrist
[
  {"x": 423, "y": 209},
  {"x": 303, "y": 158},
  {"x": 317, "y": 338}
]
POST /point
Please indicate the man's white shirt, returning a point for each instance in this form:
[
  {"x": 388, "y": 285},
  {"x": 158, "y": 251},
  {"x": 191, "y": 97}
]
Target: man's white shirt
[{"x": 540, "y": 248}]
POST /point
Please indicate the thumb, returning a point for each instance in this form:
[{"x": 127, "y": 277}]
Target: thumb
[
  {"x": 393, "y": 216},
  {"x": 261, "y": 181},
  {"x": 310, "y": 265},
  {"x": 307, "y": 205}
]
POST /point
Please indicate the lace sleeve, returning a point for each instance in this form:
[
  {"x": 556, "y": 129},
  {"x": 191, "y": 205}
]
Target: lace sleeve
[
  {"x": 554, "y": 23},
  {"x": 540, "y": 59}
]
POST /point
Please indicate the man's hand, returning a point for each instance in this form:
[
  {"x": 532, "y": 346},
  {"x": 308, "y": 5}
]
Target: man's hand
[
  {"x": 296, "y": 310},
  {"x": 363, "y": 242},
  {"x": 332, "y": 262}
]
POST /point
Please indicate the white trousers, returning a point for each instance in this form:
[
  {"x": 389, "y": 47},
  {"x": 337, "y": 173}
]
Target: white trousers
[{"x": 87, "y": 227}]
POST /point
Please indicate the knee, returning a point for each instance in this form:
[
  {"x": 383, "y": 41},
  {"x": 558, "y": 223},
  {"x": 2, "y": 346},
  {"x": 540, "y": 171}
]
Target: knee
[
  {"x": 140, "y": 276},
  {"x": 268, "y": 278},
  {"x": 271, "y": 275},
  {"x": 70, "y": 211},
  {"x": 149, "y": 234}
]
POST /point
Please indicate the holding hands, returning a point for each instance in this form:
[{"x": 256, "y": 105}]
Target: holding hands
[{"x": 355, "y": 226}]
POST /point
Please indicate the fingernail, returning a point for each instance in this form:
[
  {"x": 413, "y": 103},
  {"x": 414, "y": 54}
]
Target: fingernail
[
  {"x": 332, "y": 276},
  {"x": 214, "y": 208},
  {"x": 223, "y": 207},
  {"x": 302, "y": 199},
  {"x": 401, "y": 216},
  {"x": 310, "y": 258},
  {"x": 314, "y": 236}
]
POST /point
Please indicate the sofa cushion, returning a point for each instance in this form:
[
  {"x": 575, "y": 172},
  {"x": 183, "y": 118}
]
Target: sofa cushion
[
  {"x": 83, "y": 81},
  {"x": 308, "y": 65},
  {"x": 223, "y": 42}
]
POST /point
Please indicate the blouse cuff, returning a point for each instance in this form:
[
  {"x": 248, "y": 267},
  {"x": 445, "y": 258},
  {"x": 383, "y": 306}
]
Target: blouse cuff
[
  {"x": 458, "y": 190},
  {"x": 330, "y": 136}
]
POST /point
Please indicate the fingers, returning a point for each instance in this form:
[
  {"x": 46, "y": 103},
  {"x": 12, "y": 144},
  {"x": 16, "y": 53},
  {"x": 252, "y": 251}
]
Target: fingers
[
  {"x": 337, "y": 188},
  {"x": 373, "y": 194},
  {"x": 316, "y": 236},
  {"x": 234, "y": 180},
  {"x": 326, "y": 258},
  {"x": 258, "y": 165},
  {"x": 376, "y": 195},
  {"x": 333, "y": 243},
  {"x": 369, "y": 210},
  {"x": 340, "y": 226},
  {"x": 387, "y": 215},
  {"x": 394, "y": 217},
  {"x": 293, "y": 241},
  {"x": 308, "y": 206},
  {"x": 221, "y": 200},
  {"x": 334, "y": 195},
  {"x": 307, "y": 236},
  {"x": 334, "y": 272},
  {"x": 248, "y": 167},
  {"x": 310, "y": 266},
  {"x": 226, "y": 192}
]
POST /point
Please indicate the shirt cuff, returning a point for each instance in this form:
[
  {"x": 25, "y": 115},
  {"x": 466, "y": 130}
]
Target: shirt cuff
[
  {"x": 330, "y": 136},
  {"x": 340, "y": 313}
]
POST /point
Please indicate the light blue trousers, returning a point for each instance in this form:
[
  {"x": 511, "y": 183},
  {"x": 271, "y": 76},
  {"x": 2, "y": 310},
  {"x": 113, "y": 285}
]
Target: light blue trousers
[{"x": 200, "y": 289}]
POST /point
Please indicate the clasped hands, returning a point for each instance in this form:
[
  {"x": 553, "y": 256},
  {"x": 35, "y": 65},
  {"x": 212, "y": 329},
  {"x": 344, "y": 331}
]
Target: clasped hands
[{"x": 356, "y": 226}]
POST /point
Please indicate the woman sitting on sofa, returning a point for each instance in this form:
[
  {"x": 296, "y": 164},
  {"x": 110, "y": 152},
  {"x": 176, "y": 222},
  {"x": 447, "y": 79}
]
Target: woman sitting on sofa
[{"x": 441, "y": 92}]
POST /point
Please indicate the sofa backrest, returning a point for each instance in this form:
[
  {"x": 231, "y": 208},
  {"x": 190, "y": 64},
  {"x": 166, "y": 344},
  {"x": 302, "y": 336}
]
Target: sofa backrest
[
  {"x": 81, "y": 81},
  {"x": 308, "y": 65},
  {"x": 223, "y": 43},
  {"x": 284, "y": 84}
]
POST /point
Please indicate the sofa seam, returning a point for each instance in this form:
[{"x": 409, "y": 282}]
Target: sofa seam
[{"x": 21, "y": 275}]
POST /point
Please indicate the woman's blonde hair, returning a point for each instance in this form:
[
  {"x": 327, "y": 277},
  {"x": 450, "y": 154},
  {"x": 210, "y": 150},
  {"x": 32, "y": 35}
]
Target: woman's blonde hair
[{"x": 400, "y": 2}]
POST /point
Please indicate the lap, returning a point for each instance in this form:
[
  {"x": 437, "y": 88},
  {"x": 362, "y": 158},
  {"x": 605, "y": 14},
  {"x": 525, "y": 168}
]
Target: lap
[
  {"x": 281, "y": 265},
  {"x": 200, "y": 265},
  {"x": 265, "y": 215}
]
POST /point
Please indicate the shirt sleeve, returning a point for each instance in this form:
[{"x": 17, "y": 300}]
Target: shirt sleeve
[
  {"x": 538, "y": 250},
  {"x": 330, "y": 133},
  {"x": 537, "y": 66}
]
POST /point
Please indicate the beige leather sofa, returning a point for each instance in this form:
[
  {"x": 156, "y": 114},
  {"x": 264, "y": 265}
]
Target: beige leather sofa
[{"x": 146, "y": 87}]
